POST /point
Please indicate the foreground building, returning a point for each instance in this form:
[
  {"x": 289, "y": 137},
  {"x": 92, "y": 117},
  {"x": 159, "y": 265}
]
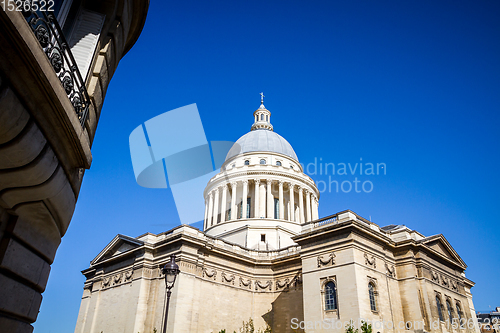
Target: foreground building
[
  {"x": 265, "y": 255},
  {"x": 55, "y": 67}
]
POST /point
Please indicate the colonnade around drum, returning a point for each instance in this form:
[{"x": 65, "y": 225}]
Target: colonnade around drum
[{"x": 266, "y": 198}]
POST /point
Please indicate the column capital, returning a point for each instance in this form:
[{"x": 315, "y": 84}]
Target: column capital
[
  {"x": 216, "y": 190},
  {"x": 211, "y": 194},
  {"x": 306, "y": 191},
  {"x": 224, "y": 186},
  {"x": 256, "y": 181},
  {"x": 269, "y": 181},
  {"x": 300, "y": 188},
  {"x": 290, "y": 185},
  {"x": 245, "y": 181},
  {"x": 233, "y": 185},
  {"x": 281, "y": 182}
]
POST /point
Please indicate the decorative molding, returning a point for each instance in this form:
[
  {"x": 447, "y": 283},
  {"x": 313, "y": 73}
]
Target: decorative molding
[
  {"x": 435, "y": 276},
  {"x": 454, "y": 285},
  {"x": 263, "y": 286},
  {"x": 282, "y": 284},
  {"x": 296, "y": 281},
  {"x": 227, "y": 278},
  {"x": 329, "y": 260},
  {"x": 106, "y": 281},
  {"x": 117, "y": 278},
  {"x": 128, "y": 275},
  {"x": 391, "y": 270},
  {"x": 445, "y": 281},
  {"x": 210, "y": 274},
  {"x": 245, "y": 283},
  {"x": 370, "y": 261}
]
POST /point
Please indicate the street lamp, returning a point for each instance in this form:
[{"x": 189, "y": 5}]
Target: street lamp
[{"x": 171, "y": 270}]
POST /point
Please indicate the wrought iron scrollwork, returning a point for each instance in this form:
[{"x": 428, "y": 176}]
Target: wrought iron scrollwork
[{"x": 50, "y": 37}]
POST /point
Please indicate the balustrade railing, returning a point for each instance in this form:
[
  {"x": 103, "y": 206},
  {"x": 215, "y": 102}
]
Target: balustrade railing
[{"x": 51, "y": 38}]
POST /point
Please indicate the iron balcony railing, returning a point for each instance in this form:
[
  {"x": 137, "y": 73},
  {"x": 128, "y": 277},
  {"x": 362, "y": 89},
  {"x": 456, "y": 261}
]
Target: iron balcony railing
[{"x": 51, "y": 38}]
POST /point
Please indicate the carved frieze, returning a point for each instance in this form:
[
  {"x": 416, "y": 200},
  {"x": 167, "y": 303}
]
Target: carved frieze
[
  {"x": 445, "y": 280},
  {"x": 435, "y": 276},
  {"x": 260, "y": 285},
  {"x": 282, "y": 284},
  {"x": 245, "y": 283},
  {"x": 128, "y": 275},
  {"x": 326, "y": 260},
  {"x": 391, "y": 270},
  {"x": 370, "y": 261},
  {"x": 296, "y": 281},
  {"x": 210, "y": 273},
  {"x": 227, "y": 278},
  {"x": 117, "y": 279},
  {"x": 106, "y": 281}
]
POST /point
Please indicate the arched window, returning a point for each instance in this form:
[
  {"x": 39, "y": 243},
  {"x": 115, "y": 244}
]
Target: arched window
[
  {"x": 247, "y": 162},
  {"x": 371, "y": 294},
  {"x": 459, "y": 312},
  {"x": 450, "y": 312},
  {"x": 439, "y": 308},
  {"x": 330, "y": 296},
  {"x": 261, "y": 116},
  {"x": 278, "y": 163},
  {"x": 262, "y": 161}
]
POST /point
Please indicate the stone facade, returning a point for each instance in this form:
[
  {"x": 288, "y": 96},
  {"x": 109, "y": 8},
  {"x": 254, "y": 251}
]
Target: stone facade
[
  {"x": 275, "y": 262},
  {"x": 50, "y": 102}
]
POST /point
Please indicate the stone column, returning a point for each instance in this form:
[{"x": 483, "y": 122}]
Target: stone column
[
  {"x": 257, "y": 198},
  {"x": 234, "y": 214},
  {"x": 308, "y": 206},
  {"x": 244, "y": 199},
  {"x": 223, "y": 203},
  {"x": 210, "y": 209},
  {"x": 262, "y": 203},
  {"x": 291, "y": 217},
  {"x": 206, "y": 215},
  {"x": 216, "y": 206},
  {"x": 315, "y": 208},
  {"x": 301, "y": 205},
  {"x": 282, "y": 205},
  {"x": 270, "y": 201}
]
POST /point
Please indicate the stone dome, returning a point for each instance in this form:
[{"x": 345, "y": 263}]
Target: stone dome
[{"x": 262, "y": 140}]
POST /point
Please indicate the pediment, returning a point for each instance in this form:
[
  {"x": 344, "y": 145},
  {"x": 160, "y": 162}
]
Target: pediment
[
  {"x": 439, "y": 244},
  {"x": 120, "y": 244}
]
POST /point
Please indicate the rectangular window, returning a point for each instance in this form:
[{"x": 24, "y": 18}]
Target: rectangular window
[
  {"x": 276, "y": 208},
  {"x": 249, "y": 200},
  {"x": 263, "y": 237}
]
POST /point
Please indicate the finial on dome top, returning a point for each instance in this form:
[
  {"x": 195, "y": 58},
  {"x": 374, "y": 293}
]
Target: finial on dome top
[
  {"x": 262, "y": 116},
  {"x": 262, "y": 101}
]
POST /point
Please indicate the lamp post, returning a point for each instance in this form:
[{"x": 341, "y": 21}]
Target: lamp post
[{"x": 171, "y": 270}]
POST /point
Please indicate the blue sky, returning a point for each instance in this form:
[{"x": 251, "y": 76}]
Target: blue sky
[{"x": 412, "y": 84}]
